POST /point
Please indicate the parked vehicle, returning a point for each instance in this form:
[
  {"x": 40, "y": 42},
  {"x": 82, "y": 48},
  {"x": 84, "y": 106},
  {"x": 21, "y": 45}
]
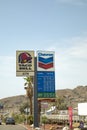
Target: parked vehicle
[{"x": 10, "y": 120}]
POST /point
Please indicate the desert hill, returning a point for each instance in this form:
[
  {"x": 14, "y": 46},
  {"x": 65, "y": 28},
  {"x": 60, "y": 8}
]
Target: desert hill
[{"x": 71, "y": 97}]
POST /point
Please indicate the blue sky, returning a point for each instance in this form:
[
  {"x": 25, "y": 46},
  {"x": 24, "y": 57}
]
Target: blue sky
[{"x": 55, "y": 25}]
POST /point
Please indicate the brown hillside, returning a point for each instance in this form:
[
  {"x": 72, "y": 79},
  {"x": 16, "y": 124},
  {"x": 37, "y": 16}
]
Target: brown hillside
[
  {"x": 71, "y": 96},
  {"x": 74, "y": 96}
]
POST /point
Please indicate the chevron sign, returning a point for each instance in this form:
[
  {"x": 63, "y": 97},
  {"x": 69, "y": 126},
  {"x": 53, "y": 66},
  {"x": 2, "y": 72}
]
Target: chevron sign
[
  {"x": 45, "y": 74},
  {"x": 45, "y": 61}
]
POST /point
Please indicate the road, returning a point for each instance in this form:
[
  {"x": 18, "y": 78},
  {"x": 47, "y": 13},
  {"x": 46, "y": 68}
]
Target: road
[{"x": 12, "y": 127}]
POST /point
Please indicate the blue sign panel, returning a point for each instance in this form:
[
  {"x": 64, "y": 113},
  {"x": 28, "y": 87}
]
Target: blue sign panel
[{"x": 46, "y": 84}]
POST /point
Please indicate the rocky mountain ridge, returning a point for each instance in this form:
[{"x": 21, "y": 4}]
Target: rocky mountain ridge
[
  {"x": 74, "y": 96},
  {"x": 71, "y": 97}
]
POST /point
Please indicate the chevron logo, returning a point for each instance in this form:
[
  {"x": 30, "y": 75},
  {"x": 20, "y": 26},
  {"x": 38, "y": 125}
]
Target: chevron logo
[{"x": 45, "y": 63}]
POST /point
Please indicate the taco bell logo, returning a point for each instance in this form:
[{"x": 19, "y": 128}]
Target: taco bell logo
[
  {"x": 24, "y": 63},
  {"x": 24, "y": 58}
]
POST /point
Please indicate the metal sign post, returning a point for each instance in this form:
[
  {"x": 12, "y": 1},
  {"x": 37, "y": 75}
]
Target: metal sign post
[{"x": 36, "y": 121}]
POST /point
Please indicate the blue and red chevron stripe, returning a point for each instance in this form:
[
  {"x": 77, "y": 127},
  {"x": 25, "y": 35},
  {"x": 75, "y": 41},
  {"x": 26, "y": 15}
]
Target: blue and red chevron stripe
[
  {"x": 45, "y": 66},
  {"x": 45, "y": 63}
]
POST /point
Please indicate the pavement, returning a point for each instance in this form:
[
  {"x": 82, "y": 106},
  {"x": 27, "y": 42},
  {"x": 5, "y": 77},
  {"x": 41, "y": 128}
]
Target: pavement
[
  {"x": 44, "y": 127},
  {"x": 27, "y": 127}
]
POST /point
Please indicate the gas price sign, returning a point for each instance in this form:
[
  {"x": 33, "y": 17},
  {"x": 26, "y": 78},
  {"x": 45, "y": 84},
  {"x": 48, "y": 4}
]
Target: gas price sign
[{"x": 46, "y": 84}]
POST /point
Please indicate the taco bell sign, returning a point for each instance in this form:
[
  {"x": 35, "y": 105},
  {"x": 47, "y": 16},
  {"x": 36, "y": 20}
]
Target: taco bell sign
[{"x": 24, "y": 63}]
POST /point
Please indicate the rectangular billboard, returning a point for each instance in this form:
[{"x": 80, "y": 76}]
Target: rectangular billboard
[
  {"x": 82, "y": 109},
  {"x": 24, "y": 63}
]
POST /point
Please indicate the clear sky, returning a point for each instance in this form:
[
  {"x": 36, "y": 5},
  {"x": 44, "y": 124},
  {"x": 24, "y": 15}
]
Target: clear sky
[{"x": 55, "y": 25}]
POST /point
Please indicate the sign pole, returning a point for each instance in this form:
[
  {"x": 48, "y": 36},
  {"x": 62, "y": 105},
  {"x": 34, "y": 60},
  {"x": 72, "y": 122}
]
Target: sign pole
[{"x": 36, "y": 122}]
